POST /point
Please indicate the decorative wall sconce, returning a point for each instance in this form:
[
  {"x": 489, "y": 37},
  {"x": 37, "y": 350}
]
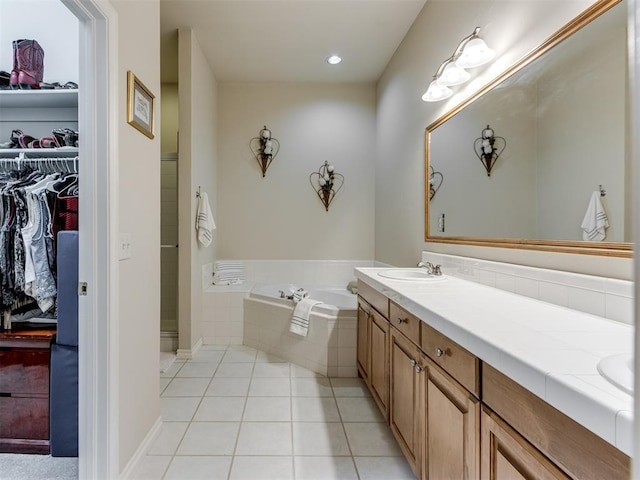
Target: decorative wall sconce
[
  {"x": 326, "y": 183},
  {"x": 488, "y": 148},
  {"x": 471, "y": 52},
  {"x": 435, "y": 182},
  {"x": 264, "y": 148}
]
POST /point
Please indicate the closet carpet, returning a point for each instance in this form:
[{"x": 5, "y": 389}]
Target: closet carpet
[{"x": 37, "y": 467}]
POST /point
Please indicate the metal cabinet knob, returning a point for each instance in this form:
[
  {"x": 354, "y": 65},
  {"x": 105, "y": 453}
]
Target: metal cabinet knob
[
  {"x": 439, "y": 352},
  {"x": 416, "y": 366},
  {"x": 402, "y": 320}
]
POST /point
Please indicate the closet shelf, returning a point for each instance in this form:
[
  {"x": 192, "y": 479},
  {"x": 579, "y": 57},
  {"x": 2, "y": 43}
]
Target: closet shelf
[
  {"x": 38, "y": 98},
  {"x": 39, "y": 152}
]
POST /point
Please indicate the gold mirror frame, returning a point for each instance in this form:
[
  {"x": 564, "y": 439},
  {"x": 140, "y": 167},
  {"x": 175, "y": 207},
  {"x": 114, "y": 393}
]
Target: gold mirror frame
[{"x": 613, "y": 249}]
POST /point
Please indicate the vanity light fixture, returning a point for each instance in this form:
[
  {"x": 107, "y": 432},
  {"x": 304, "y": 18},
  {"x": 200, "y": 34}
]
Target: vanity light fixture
[
  {"x": 471, "y": 52},
  {"x": 264, "y": 148},
  {"x": 334, "y": 59},
  {"x": 327, "y": 183},
  {"x": 488, "y": 148}
]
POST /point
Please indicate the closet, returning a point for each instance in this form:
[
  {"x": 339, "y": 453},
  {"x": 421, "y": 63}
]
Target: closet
[{"x": 38, "y": 276}]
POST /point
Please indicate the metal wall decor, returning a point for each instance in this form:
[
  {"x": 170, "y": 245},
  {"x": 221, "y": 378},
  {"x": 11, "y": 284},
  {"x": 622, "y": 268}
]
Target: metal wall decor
[
  {"x": 435, "y": 182},
  {"x": 326, "y": 183},
  {"x": 264, "y": 148},
  {"x": 488, "y": 148}
]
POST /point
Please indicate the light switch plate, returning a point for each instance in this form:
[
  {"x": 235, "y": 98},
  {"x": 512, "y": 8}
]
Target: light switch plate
[{"x": 126, "y": 249}]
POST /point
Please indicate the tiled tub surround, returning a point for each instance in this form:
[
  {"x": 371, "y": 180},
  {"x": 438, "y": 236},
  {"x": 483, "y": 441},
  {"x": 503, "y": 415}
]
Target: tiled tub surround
[
  {"x": 551, "y": 350},
  {"x": 222, "y": 306},
  {"x": 605, "y": 297},
  {"x": 330, "y": 346}
]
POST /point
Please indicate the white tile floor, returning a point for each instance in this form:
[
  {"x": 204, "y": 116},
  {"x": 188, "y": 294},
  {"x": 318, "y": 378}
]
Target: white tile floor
[{"x": 237, "y": 413}]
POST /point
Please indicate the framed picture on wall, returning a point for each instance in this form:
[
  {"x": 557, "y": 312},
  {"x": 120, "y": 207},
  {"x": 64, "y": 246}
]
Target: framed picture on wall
[{"x": 140, "y": 106}]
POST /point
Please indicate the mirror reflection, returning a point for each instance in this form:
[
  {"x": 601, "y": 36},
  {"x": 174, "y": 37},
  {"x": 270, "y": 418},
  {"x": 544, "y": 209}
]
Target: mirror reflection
[{"x": 562, "y": 121}]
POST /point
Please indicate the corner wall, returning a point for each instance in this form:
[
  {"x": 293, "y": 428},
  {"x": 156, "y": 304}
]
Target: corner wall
[
  {"x": 139, "y": 215},
  {"x": 197, "y": 168},
  {"x": 512, "y": 29},
  {"x": 280, "y": 216}
]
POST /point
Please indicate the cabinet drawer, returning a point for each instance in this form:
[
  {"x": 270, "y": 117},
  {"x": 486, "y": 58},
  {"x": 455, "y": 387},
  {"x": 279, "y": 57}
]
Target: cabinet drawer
[
  {"x": 24, "y": 418},
  {"x": 24, "y": 371},
  {"x": 455, "y": 360},
  {"x": 405, "y": 322},
  {"x": 374, "y": 298}
]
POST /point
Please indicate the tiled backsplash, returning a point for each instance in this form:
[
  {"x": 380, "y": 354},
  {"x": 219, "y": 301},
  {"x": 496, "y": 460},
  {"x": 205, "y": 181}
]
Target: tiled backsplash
[
  {"x": 222, "y": 308},
  {"x": 606, "y": 297}
]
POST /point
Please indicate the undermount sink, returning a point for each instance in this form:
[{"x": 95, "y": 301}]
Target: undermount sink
[
  {"x": 618, "y": 370},
  {"x": 416, "y": 274}
]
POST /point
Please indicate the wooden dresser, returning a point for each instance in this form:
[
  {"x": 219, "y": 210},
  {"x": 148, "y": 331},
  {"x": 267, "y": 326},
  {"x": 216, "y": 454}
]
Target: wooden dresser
[{"x": 24, "y": 390}]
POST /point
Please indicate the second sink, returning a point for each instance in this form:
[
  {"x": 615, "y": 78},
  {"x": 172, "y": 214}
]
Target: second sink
[{"x": 618, "y": 369}]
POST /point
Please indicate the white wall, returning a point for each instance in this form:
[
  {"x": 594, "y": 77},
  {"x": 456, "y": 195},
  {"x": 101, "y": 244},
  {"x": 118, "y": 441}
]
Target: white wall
[
  {"x": 52, "y": 25},
  {"x": 139, "y": 198},
  {"x": 280, "y": 216},
  {"x": 170, "y": 116},
  {"x": 513, "y": 29},
  {"x": 197, "y": 168}
]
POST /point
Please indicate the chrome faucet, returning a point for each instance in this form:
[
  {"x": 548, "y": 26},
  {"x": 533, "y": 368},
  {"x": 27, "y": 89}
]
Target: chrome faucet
[{"x": 431, "y": 268}]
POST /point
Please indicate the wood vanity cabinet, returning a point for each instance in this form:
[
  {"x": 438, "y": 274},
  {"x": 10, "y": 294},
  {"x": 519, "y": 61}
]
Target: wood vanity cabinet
[
  {"x": 435, "y": 419},
  {"x": 364, "y": 339},
  {"x": 456, "y": 417},
  {"x": 508, "y": 456},
  {"x": 373, "y": 344},
  {"x": 563, "y": 442},
  {"x": 452, "y": 427},
  {"x": 405, "y": 399},
  {"x": 379, "y": 362}
]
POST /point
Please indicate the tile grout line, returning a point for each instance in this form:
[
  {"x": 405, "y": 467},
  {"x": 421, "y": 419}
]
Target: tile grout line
[
  {"x": 244, "y": 409},
  {"x": 173, "y": 456},
  {"x": 344, "y": 430}
]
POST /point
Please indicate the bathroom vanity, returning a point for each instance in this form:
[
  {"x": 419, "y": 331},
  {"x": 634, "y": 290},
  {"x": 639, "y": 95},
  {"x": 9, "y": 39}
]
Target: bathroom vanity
[{"x": 444, "y": 363}]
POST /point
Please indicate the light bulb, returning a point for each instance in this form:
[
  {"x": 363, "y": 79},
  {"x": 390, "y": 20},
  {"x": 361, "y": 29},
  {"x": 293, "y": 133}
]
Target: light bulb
[
  {"x": 334, "y": 60},
  {"x": 436, "y": 92},
  {"x": 475, "y": 53},
  {"x": 453, "y": 75}
]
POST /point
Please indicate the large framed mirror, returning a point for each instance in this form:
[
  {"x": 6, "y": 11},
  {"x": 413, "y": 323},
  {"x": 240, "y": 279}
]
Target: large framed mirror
[{"x": 562, "y": 112}]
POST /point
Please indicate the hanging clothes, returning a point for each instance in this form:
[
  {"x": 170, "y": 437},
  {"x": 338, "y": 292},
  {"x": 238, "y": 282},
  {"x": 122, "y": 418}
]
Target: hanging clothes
[{"x": 34, "y": 206}]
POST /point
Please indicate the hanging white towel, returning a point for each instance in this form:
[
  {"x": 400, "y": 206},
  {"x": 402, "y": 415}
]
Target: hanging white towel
[
  {"x": 300, "y": 317},
  {"x": 595, "y": 220},
  {"x": 204, "y": 221}
]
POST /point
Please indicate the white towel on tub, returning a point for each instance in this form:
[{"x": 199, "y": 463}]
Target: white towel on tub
[
  {"x": 300, "y": 317},
  {"x": 595, "y": 220}
]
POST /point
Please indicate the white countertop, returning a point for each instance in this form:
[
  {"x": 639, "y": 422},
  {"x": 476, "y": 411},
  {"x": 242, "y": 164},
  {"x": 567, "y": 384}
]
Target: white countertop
[{"x": 551, "y": 350}]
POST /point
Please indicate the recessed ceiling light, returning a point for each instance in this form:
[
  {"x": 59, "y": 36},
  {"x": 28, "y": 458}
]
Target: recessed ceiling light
[{"x": 334, "y": 59}]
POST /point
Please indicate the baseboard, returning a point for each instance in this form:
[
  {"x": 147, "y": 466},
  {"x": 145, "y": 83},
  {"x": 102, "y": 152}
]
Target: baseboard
[
  {"x": 168, "y": 341},
  {"x": 142, "y": 450},
  {"x": 188, "y": 353}
]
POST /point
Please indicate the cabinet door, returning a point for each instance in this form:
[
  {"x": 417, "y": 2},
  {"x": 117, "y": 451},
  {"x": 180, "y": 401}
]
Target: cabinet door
[
  {"x": 364, "y": 322},
  {"x": 405, "y": 412},
  {"x": 379, "y": 366},
  {"x": 452, "y": 440},
  {"x": 506, "y": 455}
]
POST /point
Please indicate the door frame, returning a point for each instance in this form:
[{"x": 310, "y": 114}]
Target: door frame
[{"x": 98, "y": 435}]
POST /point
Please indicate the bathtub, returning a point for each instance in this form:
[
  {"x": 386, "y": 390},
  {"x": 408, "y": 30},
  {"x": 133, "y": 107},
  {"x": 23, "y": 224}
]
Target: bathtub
[{"x": 330, "y": 346}]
